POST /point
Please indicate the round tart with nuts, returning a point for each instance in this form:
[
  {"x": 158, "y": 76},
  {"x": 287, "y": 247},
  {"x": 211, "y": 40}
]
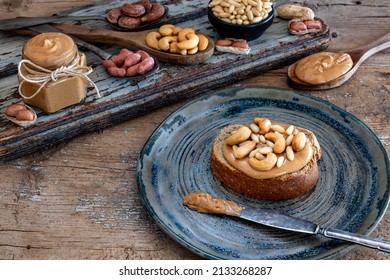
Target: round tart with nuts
[{"x": 266, "y": 160}]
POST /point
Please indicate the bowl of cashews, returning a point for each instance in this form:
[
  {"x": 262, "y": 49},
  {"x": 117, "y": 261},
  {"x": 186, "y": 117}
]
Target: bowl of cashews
[{"x": 241, "y": 19}]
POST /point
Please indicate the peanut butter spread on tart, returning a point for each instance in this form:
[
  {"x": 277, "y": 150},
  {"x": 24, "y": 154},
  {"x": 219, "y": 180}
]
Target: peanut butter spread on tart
[
  {"x": 323, "y": 67},
  {"x": 264, "y": 150},
  {"x": 205, "y": 203}
]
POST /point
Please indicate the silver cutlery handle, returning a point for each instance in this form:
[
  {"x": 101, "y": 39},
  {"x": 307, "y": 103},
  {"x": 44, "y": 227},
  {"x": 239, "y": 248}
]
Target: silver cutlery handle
[{"x": 381, "y": 245}]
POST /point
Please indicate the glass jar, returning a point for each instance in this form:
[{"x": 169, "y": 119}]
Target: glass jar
[{"x": 49, "y": 74}]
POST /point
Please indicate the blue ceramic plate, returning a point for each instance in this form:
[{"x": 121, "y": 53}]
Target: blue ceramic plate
[{"x": 352, "y": 193}]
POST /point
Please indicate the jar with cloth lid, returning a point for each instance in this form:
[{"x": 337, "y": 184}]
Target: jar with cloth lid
[{"x": 53, "y": 74}]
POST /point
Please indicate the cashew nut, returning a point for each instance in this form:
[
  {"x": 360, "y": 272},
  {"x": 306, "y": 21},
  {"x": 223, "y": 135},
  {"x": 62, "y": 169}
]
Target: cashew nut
[
  {"x": 152, "y": 39},
  {"x": 184, "y": 32},
  {"x": 203, "y": 42},
  {"x": 279, "y": 140},
  {"x": 190, "y": 43},
  {"x": 241, "y": 134},
  {"x": 265, "y": 164},
  {"x": 174, "y": 49},
  {"x": 166, "y": 29},
  {"x": 244, "y": 149},
  {"x": 193, "y": 51},
  {"x": 265, "y": 126},
  {"x": 165, "y": 42},
  {"x": 176, "y": 30}
]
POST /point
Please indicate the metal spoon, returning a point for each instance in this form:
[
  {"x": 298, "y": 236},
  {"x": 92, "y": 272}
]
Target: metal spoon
[{"x": 358, "y": 55}]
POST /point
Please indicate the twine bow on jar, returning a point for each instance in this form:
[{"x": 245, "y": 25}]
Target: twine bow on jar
[{"x": 40, "y": 75}]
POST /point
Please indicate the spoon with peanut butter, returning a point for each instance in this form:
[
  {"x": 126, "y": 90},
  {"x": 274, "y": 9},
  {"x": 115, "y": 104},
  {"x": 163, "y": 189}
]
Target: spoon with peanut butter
[{"x": 326, "y": 70}]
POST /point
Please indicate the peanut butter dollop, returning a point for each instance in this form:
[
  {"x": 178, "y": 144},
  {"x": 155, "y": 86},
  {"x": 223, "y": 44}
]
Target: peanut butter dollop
[
  {"x": 205, "y": 203},
  {"x": 50, "y": 50},
  {"x": 323, "y": 67}
]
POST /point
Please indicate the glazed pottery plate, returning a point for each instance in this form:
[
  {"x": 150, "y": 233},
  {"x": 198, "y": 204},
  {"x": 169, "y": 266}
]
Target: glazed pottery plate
[{"x": 352, "y": 193}]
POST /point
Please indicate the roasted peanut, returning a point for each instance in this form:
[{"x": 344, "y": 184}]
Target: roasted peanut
[
  {"x": 294, "y": 11},
  {"x": 242, "y": 134},
  {"x": 117, "y": 71},
  {"x": 132, "y": 59}
]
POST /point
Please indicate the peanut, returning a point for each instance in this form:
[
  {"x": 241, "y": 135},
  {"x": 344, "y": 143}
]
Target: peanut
[
  {"x": 241, "y": 11},
  {"x": 13, "y": 109},
  {"x": 24, "y": 115},
  {"x": 294, "y": 11}
]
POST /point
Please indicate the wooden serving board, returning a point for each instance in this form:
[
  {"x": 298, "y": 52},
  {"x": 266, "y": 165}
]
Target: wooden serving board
[{"x": 122, "y": 99}]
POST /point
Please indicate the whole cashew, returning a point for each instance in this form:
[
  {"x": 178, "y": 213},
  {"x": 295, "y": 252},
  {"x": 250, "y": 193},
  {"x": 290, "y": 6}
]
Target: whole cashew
[
  {"x": 241, "y": 134},
  {"x": 278, "y": 139},
  {"x": 166, "y": 29},
  {"x": 190, "y": 43},
  {"x": 174, "y": 49},
  {"x": 152, "y": 39},
  {"x": 203, "y": 42},
  {"x": 265, "y": 164},
  {"x": 184, "y": 32},
  {"x": 176, "y": 30},
  {"x": 165, "y": 42},
  {"x": 264, "y": 125},
  {"x": 193, "y": 51}
]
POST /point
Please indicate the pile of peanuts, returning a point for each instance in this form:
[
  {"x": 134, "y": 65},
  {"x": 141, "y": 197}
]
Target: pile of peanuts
[
  {"x": 241, "y": 11},
  {"x": 131, "y": 15},
  {"x": 266, "y": 144},
  {"x": 128, "y": 63},
  {"x": 173, "y": 39}
]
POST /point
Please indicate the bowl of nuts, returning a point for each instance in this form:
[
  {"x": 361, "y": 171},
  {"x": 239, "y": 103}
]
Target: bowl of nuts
[{"x": 247, "y": 19}]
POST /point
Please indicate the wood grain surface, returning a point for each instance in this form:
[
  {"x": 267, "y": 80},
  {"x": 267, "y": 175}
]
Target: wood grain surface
[{"x": 79, "y": 199}]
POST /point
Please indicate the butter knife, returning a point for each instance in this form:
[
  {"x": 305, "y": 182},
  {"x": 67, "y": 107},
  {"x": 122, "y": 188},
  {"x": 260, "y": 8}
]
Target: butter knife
[{"x": 205, "y": 203}]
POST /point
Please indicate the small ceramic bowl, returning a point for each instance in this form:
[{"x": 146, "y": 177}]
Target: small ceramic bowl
[{"x": 240, "y": 31}]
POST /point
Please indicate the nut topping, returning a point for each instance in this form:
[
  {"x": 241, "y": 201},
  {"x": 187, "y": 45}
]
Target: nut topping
[{"x": 265, "y": 144}]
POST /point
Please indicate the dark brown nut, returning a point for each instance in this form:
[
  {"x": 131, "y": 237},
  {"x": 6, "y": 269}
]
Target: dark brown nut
[
  {"x": 133, "y": 10},
  {"x": 155, "y": 13},
  {"x": 114, "y": 15},
  {"x": 145, "y": 66},
  {"x": 129, "y": 22},
  {"x": 146, "y": 4}
]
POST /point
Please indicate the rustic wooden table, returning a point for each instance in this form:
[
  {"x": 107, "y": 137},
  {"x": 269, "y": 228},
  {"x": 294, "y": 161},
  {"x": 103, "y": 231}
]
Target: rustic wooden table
[{"x": 80, "y": 200}]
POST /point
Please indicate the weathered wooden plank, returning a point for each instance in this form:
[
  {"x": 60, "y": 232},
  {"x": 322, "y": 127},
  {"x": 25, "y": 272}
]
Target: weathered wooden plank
[{"x": 122, "y": 99}]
